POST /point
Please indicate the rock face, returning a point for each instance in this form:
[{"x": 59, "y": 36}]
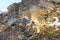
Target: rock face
[
  {"x": 56, "y": 1},
  {"x": 31, "y": 20}
]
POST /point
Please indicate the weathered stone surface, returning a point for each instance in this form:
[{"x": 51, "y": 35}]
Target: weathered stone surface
[
  {"x": 56, "y": 1},
  {"x": 31, "y": 20}
]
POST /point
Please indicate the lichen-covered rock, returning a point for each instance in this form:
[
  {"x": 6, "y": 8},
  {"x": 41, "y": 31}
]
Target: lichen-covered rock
[
  {"x": 11, "y": 21},
  {"x": 31, "y": 20},
  {"x": 3, "y": 28},
  {"x": 56, "y": 1}
]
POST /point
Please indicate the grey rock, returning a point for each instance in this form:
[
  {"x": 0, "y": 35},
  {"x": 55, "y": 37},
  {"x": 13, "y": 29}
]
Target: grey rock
[
  {"x": 11, "y": 21},
  {"x": 56, "y": 1}
]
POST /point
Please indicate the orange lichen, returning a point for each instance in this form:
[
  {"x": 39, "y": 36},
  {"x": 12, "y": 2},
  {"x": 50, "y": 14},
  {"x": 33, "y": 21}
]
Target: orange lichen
[{"x": 40, "y": 10}]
